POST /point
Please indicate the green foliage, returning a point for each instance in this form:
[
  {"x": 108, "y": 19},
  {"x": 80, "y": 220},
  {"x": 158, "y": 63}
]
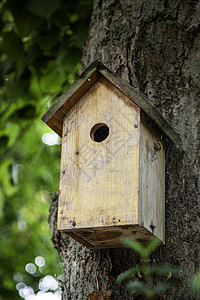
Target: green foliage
[
  {"x": 40, "y": 53},
  {"x": 196, "y": 282},
  {"x": 144, "y": 274},
  {"x": 43, "y": 9},
  {"x": 144, "y": 252}
]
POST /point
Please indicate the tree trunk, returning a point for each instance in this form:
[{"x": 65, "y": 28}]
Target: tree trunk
[{"x": 155, "y": 47}]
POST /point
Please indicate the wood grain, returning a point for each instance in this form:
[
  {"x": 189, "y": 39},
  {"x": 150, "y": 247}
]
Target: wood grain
[
  {"x": 118, "y": 182},
  {"x": 110, "y": 236},
  {"x": 152, "y": 178},
  {"x": 99, "y": 181}
]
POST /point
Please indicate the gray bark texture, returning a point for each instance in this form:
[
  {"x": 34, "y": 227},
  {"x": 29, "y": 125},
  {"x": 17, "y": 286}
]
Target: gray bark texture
[{"x": 154, "y": 45}]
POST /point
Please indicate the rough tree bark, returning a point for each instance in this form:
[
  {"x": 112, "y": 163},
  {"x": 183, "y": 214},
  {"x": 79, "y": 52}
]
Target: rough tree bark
[{"x": 155, "y": 47}]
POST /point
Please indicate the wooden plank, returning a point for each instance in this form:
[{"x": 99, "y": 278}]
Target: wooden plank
[
  {"x": 110, "y": 236},
  {"x": 99, "y": 181},
  {"x": 53, "y": 117},
  {"x": 80, "y": 240},
  {"x": 152, "y": 178}
]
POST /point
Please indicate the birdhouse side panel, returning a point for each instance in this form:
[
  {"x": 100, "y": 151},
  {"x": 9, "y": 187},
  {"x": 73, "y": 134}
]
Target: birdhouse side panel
[
  {"x": 152, "y": 179},
  {"x": 98, "y": 183}
]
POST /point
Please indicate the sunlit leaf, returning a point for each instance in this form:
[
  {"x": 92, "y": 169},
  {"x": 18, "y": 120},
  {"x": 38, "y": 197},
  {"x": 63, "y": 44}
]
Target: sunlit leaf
[
  {"x": 35, "y": 87},
  {"x": 5, "y": 177},
  {"x": 51, "y": 82}
]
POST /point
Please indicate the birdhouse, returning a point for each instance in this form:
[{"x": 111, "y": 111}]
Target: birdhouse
[{"x": 112, "y": 177}]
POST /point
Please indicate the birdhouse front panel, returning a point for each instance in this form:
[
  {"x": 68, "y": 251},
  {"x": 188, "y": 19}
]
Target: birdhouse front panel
[{"x": 99, "y": 178}]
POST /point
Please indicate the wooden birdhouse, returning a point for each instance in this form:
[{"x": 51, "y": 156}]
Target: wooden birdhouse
[{"x": 112, "y": 177}]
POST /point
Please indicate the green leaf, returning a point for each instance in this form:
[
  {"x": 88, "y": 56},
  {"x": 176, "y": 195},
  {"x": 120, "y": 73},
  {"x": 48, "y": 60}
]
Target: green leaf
[
  {"x": 48, "y": 39},
  {"x": 26, "y": 112},
  {"x": 140, "y": 288},
  {"x": 162, "y": 287},
  {"x": 51, "y": 82},
  {"x": 5, "y": 67},
  {"x": 11, "y": 45},
  {"x": 35, "y": 87},
  {"x": 164, "y": 270},
  {"x": 3, "y": 141},
  {"x": 133, "y": 244},
  {"x": 5, "y": 178},
  {"x": 128, "y": 274},
  {"x": 196, "y": 281},
  {"x": 11, "y": 131},
  {"x": 137, "y": 286},
  {"x": 43, "y": 8},
  {"x": 32, "y": 53},
  {"x": 74, "y": 18},
  {"x": 143, "y": 251},
  {"x": 153, "y": 244},
  {"x": 25, "y": 21},
  {"x": 60, "y": 19}
]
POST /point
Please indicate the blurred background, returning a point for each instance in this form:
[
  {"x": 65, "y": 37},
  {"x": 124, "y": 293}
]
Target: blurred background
[{"x": 40, "y": 55}]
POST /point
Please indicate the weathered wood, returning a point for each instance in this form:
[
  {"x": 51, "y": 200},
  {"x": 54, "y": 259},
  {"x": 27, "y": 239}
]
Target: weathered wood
[
  {"x": 96, "y": 70},
  {"x": 53, "y": 117},
  {"x": 152, "y": 178},
  {"x": 110, "y": 236},
  {"x": 101, "y": 182},
  {"x": 145, "y": 105},
  {"x": 103, "y": 176}
]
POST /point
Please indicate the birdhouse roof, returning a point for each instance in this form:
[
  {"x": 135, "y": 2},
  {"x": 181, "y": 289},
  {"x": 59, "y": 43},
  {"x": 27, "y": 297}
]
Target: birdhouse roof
[{"x": 53, "y": 117}]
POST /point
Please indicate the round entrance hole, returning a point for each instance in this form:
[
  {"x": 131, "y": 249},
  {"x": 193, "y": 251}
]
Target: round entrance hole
[{"x": 99, "y": 132}]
